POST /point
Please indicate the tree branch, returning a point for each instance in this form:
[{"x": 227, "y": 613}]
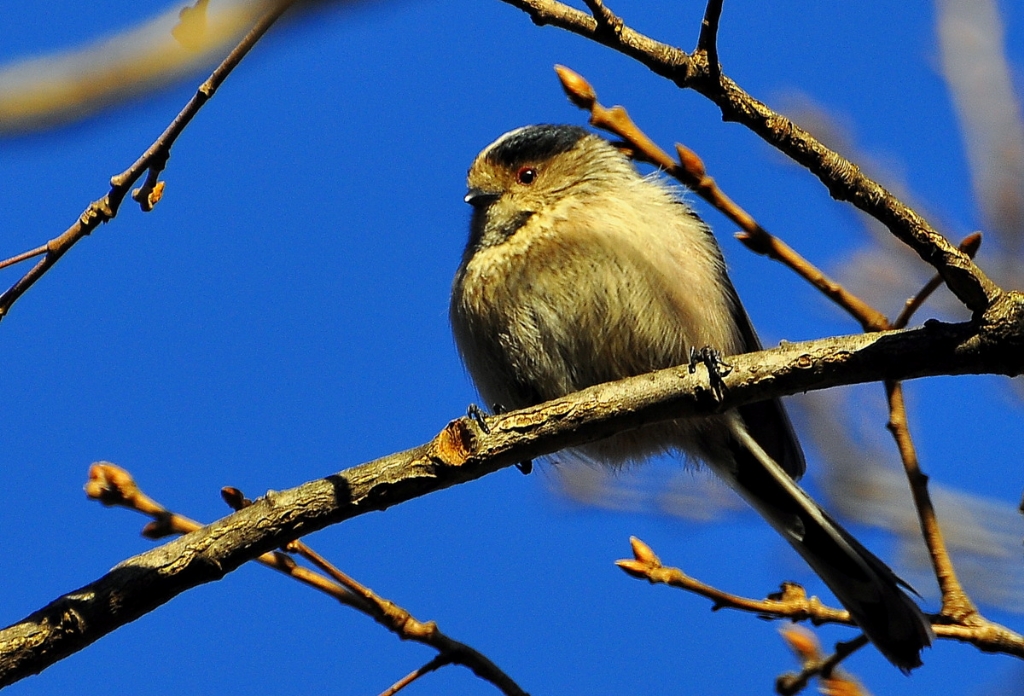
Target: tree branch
[
  {"x": 152, "y": 161},
  {"x": 815, "y": 664},
  {"x": 956, "y": 604},
  {"x": 113, "y": 486},
  {"x": 707, "y": 41},
  {"x": 690, "y": 171},
  {"x": 792, "y": 603},
  {"x": 463, "y": 452},
  {"x": 439, "y": 661},
  {"x": 844, "y": 180}
]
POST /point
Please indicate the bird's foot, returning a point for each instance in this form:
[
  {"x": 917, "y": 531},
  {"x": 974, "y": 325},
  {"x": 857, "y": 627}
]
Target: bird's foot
[
  {"x": 717, "y": 368},
  {"x": 476, "y": 414}
]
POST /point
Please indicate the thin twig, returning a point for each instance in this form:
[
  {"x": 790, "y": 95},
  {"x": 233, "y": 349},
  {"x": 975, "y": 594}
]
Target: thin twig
[
  {"x": 24, "y": 256},
  {"x": 844, "y": 180},
  {"x": 956, "y": 604},
  {"x": 606, "y": 19},
  {"x": 691, "y": 172},
  {"x": 814, "y": 664},
  {"x": 152, "y": 160},
  {"x": 970, "y": 245},
  {"x": 406, "y": 626},
  {"x": 440, "y": 660},
  {"x": 791, "y": 602},
  {"x": 155, "y": 158},
  {"x": 707, "y": 41},
  {"x": 114, "y": 486}
]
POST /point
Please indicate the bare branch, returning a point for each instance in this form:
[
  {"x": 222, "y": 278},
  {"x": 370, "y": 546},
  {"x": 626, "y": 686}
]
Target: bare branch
[
  {"x": 707, "y": 41},
  {"x": 439, "y": 661},
  {"x": 406, "y": 626},
  {"x": 815, "y": 664},
  {"x": 398, "y": 620},
  {"x": 690, "y": 171},
  {"x": 970, "y": 245},
  {"x": 793, "y": 604},
  {"x": 153, "y": 161},
  {"x": 955, "y": 602},
  {"x": 462, "y": 452},
  {"x": 844, "y": 180},
  {"x": 32, "y": 253},
  {"x": 606, "y": 19},
  {"x": 112, "y": 485}
]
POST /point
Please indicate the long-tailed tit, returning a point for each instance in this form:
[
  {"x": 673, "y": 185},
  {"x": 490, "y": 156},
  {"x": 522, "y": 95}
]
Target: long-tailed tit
[{"x": 579, "y": 271}]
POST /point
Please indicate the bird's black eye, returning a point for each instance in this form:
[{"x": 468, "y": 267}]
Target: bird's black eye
[{"x": 526, "y": 175}]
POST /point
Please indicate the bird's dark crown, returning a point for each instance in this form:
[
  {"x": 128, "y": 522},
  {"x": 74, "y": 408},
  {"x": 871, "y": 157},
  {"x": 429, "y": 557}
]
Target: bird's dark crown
[{"x": 535, "y": 144}]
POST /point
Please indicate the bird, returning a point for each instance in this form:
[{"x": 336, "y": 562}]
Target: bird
[{"x": 580, "y": 270}]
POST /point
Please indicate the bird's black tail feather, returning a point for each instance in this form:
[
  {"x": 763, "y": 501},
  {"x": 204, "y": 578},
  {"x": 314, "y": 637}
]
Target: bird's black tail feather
[{"x": 865, "y": 585}]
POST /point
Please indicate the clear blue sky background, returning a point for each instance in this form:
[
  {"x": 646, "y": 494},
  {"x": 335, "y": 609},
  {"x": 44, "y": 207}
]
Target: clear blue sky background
[{"x": 282, "y": 315}]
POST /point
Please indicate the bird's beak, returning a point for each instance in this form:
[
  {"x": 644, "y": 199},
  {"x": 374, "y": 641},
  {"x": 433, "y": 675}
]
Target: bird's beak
[{"x": 479, "y": 198}]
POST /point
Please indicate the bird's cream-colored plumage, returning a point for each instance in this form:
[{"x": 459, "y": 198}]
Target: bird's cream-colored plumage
[
  {"x": 531, "y": 279},
  {"x": 579, "y": 271}
]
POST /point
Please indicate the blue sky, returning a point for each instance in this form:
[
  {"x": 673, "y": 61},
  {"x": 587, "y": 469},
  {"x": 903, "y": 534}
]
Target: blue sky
[{"x": 282, "y": 315}]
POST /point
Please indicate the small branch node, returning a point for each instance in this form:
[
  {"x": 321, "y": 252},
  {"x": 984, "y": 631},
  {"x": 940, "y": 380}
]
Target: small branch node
[
  {"x": 607, "y": 21},
  {"x": 707, "y": 42},
  {"x": 970, "y": 245}
]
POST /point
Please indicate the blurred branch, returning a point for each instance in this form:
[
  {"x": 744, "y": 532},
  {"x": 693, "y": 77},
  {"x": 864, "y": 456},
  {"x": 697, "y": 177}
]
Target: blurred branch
[
  {"x": 45, "y": 91},
  {"x": 114, "y": 486},
  {"x": 462, "y": 452},
  {"x": 152, "y": 161},
  {"x": 834, "y": 681},
  {"x": 981, "y": 83},
  {"x": 844, "y": 180}
]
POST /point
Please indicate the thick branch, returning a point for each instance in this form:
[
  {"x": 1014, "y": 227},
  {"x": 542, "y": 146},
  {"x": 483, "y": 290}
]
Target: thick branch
[
  {"x": 462, "y": 452},
  {"x": 846, "y": 182}
]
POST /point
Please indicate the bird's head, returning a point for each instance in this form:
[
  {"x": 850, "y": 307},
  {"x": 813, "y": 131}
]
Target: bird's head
[{"x": 534, "y": 169}]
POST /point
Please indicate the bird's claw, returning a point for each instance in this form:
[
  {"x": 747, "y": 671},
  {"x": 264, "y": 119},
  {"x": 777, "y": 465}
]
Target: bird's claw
[
  {"x": 476, "y": 414},
  {"x": 717, "y": 368}
]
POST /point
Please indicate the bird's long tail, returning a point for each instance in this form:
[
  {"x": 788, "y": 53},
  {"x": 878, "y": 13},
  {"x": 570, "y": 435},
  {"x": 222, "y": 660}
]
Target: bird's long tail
[{"x": 865, "y": 585}]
